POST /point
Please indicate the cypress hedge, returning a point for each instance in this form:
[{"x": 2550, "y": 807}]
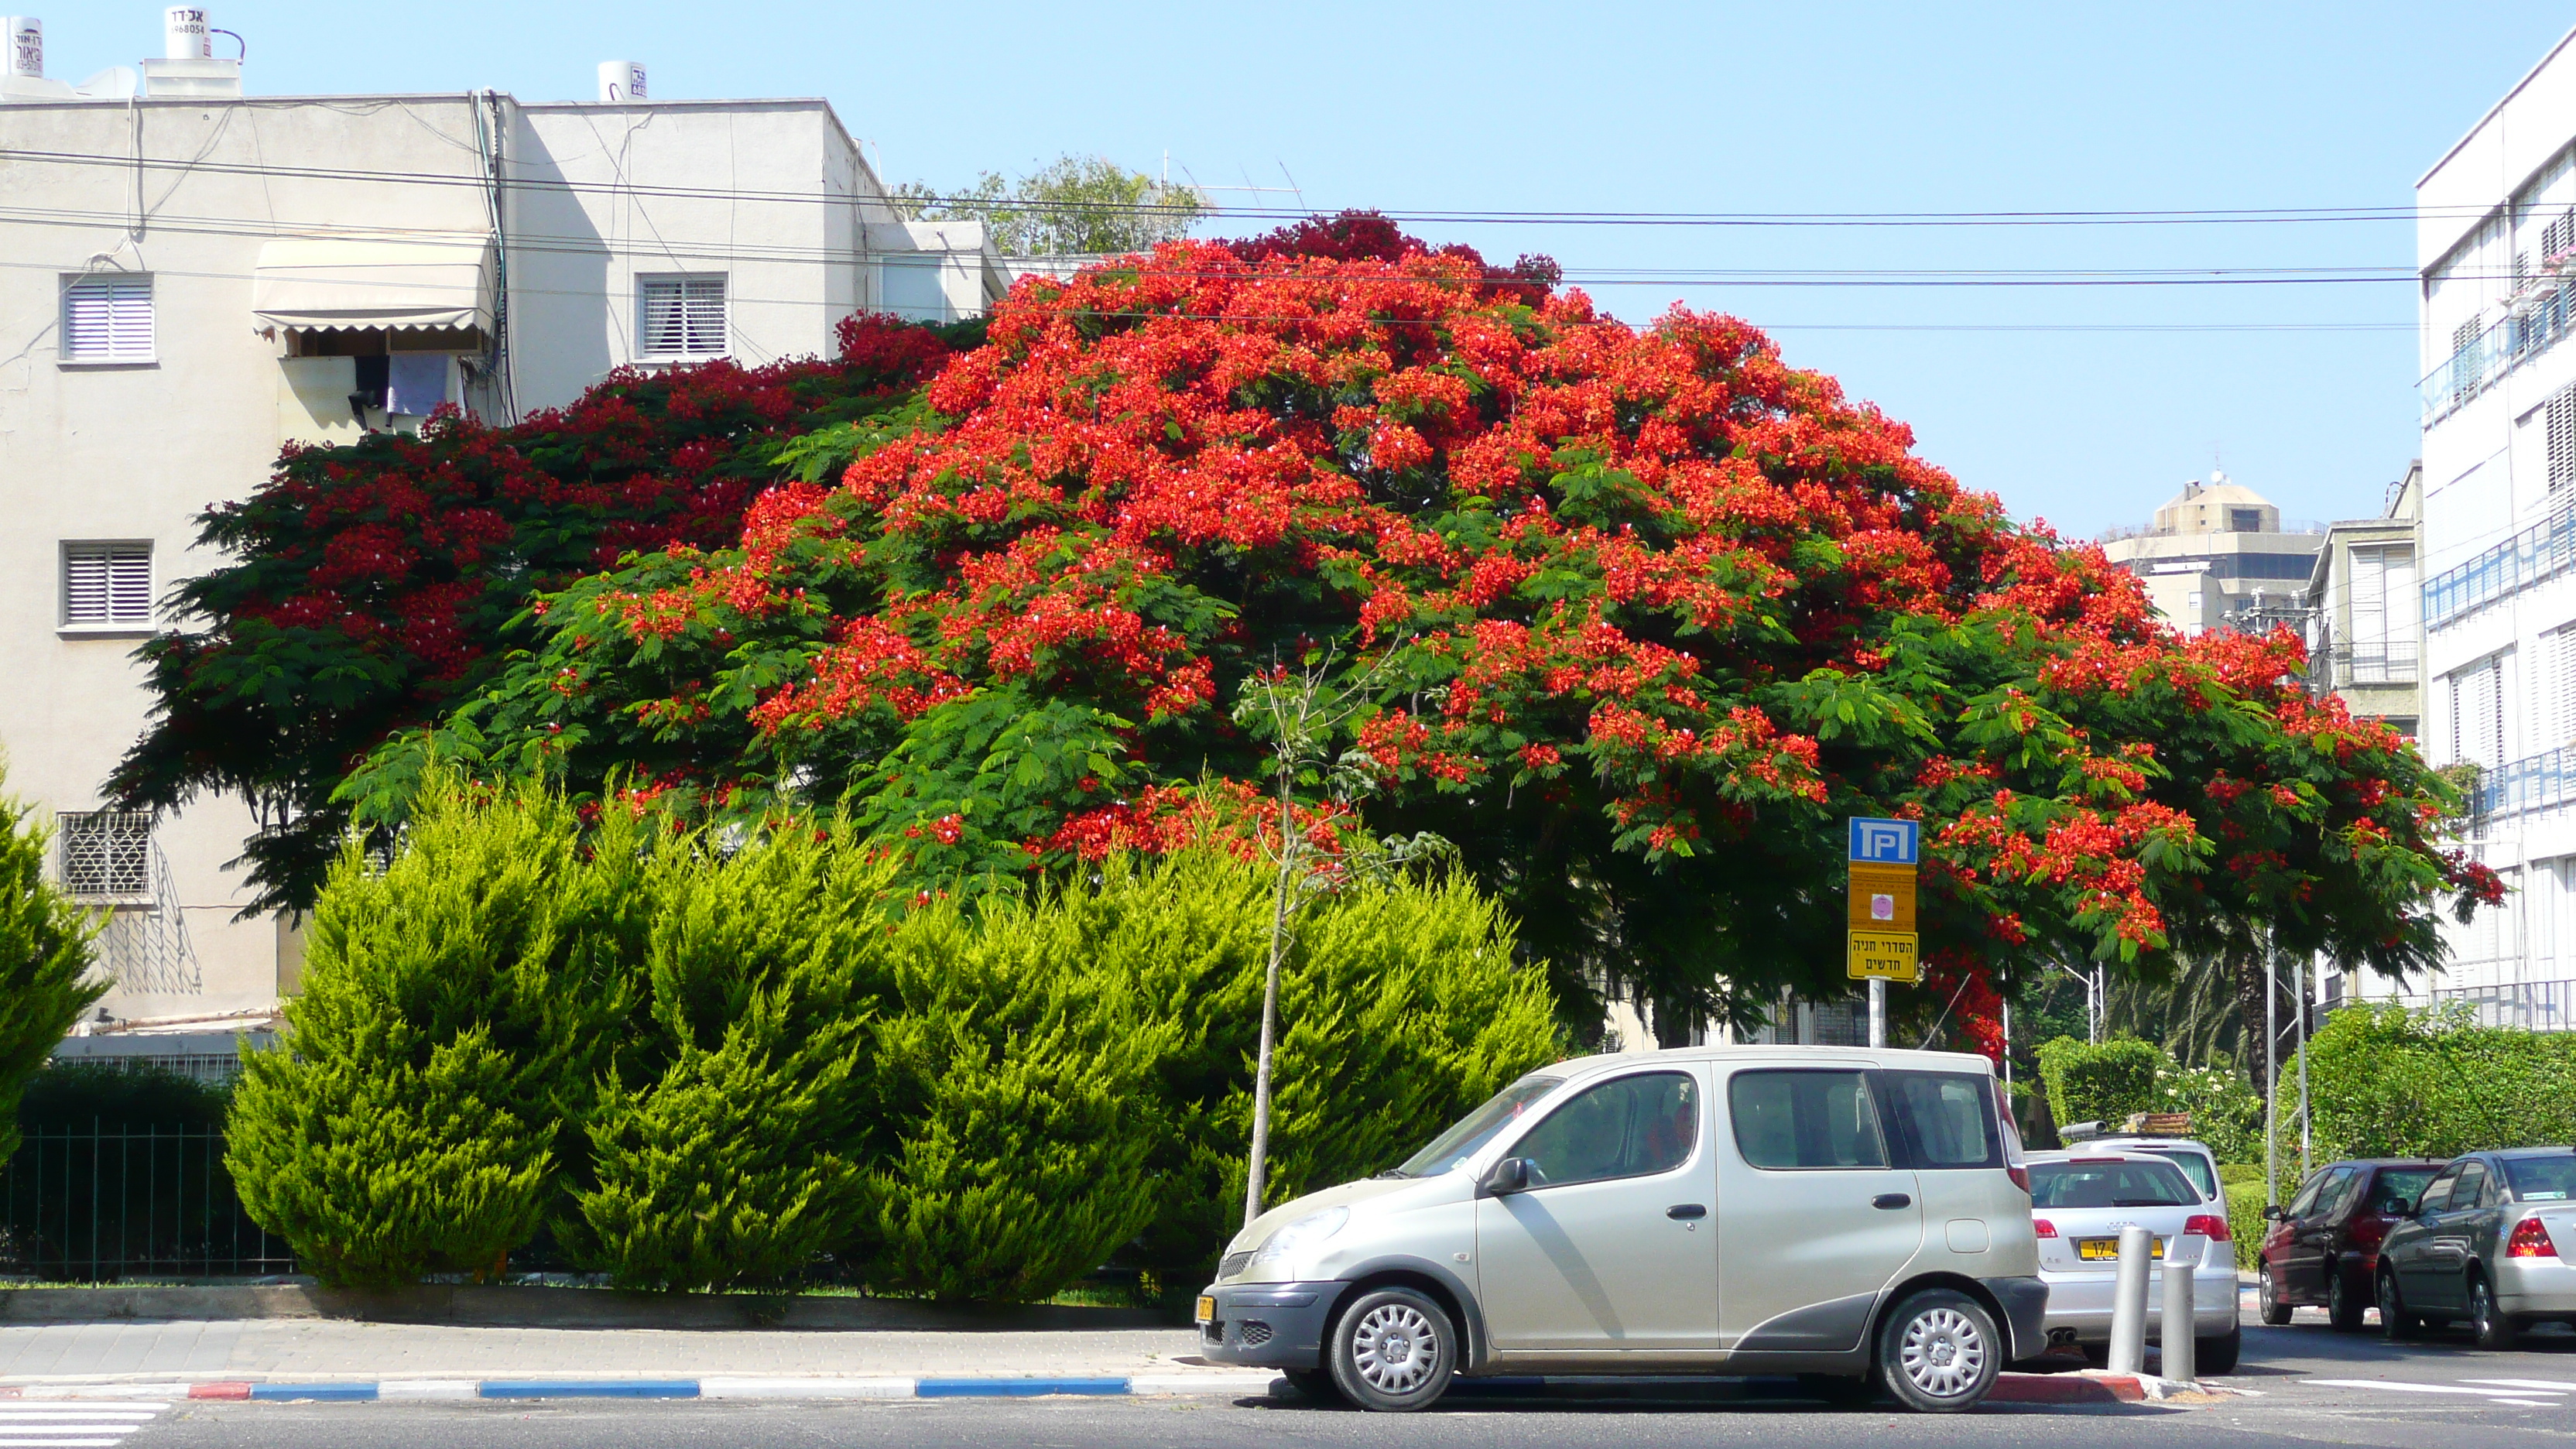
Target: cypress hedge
[
  {"x": 719, "y": 1062},
  {"x": 44, "y": 958}
]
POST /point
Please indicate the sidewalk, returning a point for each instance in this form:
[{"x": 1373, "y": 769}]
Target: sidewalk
[{"x": 308, "y": 1350}]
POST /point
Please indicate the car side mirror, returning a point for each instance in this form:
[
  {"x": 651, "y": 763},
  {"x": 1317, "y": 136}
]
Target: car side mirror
[
  {"x": 2276, "y": 1213},
  {"x": 1506, "y": 1177}
]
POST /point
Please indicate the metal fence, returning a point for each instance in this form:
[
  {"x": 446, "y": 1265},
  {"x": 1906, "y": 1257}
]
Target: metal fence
[
  {"x": 102, "y": 1203},
  {"x": 2534, "y": 782},
  {"x": 2542, "y": 551},
  {"x": 2530, "y": 1005}
]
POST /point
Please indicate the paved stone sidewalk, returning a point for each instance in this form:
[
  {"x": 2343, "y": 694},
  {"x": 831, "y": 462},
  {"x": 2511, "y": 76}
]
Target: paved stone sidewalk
[{"x": 308, "y": 1349}]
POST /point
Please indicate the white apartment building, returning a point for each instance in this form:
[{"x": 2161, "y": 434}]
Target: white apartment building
[
  {"x": 2496, "y": 253},
  {"x": 192, "y": 277}
]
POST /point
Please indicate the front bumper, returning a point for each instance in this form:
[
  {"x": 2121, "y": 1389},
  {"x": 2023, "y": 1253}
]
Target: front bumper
[
  {"x": 1268, "y": 1325},
  {"x": 2082, "y": 1302}
]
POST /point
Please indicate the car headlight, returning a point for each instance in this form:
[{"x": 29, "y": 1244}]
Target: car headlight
[{"x": 1304, "y": 1233}]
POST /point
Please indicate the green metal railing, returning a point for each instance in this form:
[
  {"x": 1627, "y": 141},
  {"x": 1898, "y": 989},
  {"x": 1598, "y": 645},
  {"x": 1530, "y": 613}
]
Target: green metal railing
[{"x": 104, "y": 1203}]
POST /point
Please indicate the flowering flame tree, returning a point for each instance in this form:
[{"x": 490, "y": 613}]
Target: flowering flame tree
[{"x": 1662, "y": 609}]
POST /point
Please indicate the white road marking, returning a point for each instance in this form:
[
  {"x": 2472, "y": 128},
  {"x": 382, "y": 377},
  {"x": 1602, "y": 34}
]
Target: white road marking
[
  {"x": 37, "y": 1424},
  {"x": 2546, "y": 1386},
  {"x": 2517, "y": 1397}
]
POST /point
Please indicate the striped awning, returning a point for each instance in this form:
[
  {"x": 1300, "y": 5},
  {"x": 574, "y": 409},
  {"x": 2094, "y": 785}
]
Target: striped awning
[{"x": 326, "y": 282}]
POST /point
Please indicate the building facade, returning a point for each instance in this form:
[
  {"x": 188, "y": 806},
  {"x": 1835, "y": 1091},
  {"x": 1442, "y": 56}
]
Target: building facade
[
  {"x": 2218, "y": 556},
  {"x": 2364, "y": 630},
  {"x": 2496, "y": 257},
  {"x": 196, "y": 278}
]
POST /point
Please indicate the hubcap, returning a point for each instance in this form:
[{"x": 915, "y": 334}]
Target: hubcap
[
  {"x": 1943, "y": 1354},
  {"x": 2263, "y": 1286},
  {"x": 2481, "y": 1304},
  {"x": 1394, "y": 1348}
]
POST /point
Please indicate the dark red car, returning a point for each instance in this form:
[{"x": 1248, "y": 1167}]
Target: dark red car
[{"x": 2324, "y": 1247}]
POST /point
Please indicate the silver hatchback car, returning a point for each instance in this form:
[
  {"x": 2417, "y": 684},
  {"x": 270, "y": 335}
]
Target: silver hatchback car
[{"x": 1856, "y": 1215}]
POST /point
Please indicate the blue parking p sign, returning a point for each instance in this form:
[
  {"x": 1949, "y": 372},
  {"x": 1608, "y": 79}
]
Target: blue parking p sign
[{"x": 1882, "y": 842}]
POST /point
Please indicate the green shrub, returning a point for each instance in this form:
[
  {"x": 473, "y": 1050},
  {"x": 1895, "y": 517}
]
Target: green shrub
[
  {"x": 1018, "y": 1069},
  {"x": 2387, "y": 1082},
  {"x": 2225, "y": 1113},
  {"x": 44, "y": 956},
  {"x": 729, "y": 1162},
  {"x": 409, "y": 1123},
  {"x": 76, "y": 1093},
  {"x": 2245, "y": 1221},
  {"x": 2100, "y": 1083}
]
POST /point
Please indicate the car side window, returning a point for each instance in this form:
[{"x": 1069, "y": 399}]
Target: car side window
[
  {"x": 2305, "y": 1203},
  {"x": 1626, "y": 1127},
  {"x": 1946, "y": 1118},
  {"x": 1805, "y": 1119},
  {"x": 2439, "y": 1194},
  {"x": 2341, "y": 1188},
  {"x": 2469, "y": 1190}
]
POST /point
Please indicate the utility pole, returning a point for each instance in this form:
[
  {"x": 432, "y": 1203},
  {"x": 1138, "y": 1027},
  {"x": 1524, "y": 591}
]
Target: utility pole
[
  {"x": 2307, "y": 1138},
  {"x": 2271, "y": 1078}
]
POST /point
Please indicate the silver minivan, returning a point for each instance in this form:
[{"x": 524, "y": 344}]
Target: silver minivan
[{"x": 1856, "y": 1215}]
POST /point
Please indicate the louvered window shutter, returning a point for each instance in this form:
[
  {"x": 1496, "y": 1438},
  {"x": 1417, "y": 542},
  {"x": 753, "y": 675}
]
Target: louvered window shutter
[
  {"x": 107, "y": 319},
  {"x": 2368, "y": 636},
  {"x": 2559, "y": 235},
  {"x": 682, "y": 316},
  {"x": 107, "y": 583},
  {"x": 2562, "y": 439}
]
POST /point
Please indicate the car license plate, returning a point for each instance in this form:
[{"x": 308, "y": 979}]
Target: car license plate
[
  {"x": 1207, "y": 1307},
  {"x": 2095, "y": 1250}
]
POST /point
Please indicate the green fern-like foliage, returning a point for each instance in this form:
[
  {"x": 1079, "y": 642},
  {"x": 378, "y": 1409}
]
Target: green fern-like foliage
[{"x": 44, "y": 960}]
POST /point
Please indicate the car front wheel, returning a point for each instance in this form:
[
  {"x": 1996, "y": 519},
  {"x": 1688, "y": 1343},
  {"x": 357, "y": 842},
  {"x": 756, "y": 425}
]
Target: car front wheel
[
  {"x": 2394, "y": 1320},
  {"x": 2267, "y": 1298},
  {"x": 1393, "y": 1351},
  {"x": 1939, "y": 1353}
]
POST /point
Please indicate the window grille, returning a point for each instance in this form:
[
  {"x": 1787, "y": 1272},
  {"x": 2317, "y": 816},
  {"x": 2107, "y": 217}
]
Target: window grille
[
  {"x": 107, "y": 854},
  {"x": 681, "y": 316},
  {"x": 107, "y": 319},
  {"x": 107, "y": 583}
]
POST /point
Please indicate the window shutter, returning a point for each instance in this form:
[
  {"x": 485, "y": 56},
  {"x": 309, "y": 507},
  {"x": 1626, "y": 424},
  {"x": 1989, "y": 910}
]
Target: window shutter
[
  {"x": 107, "y": 583},
  {"x": 2562, "y": 439},
  {"x": 682, "y": 316},
  {"x": 108, "y": 319},
  {"x": 2559, "y": 235}
]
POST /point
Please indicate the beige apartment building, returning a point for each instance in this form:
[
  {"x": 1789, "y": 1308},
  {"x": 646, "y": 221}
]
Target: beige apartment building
[
  {"x": 195, "y": 277},
  {"x": 2218, "y": 556}
]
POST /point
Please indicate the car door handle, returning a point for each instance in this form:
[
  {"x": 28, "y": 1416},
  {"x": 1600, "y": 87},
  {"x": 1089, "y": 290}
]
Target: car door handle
[
  {"x": 1892, "y": 1200},
  {"x": 1682, "y": 1210}
]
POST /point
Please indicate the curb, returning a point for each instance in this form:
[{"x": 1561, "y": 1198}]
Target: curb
[{"x": 925, "y": 1387}]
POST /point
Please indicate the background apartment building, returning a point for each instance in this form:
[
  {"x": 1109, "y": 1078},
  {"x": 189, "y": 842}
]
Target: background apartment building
[
  {"x": 2496, "y": 253},
  {"x": 2364, "y": 630},
  {"x": 195, "y": 277},
  {"x": 2218, "y": 556}
]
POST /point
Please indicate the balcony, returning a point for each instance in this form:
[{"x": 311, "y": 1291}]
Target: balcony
[
  {"x": 2535, "y": 782},
  {"x": 2529, "y": 1005},
  {"x": 2544, "y": 550},
  {"x": 2393, "y": 661},
  {"x": 2534, "y": 319}
]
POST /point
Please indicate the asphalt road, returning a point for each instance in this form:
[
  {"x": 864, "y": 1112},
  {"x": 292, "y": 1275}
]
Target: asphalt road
[{"x": 2313, "y": 1387}]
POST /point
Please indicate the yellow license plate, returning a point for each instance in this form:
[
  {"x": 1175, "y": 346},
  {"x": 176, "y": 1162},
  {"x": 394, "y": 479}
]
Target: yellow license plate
[
  {"x": 1207, "y": 1307},
  {"x": 2094, "y": 1250}
]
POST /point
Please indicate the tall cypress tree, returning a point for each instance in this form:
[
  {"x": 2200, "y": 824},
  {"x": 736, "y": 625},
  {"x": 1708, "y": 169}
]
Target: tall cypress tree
[
  {"x": 410, "y": 1121},
  {"x": 44, "y": 954}
]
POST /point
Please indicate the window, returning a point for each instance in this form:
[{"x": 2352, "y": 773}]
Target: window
[
  {"x": 2305, "y": 1204},
  {"x": 2472, "y": 1186},
  {"x": 2396, "y": 1189},
  {"x": 2109, "y": 1182},
  {"x": 2439, "y": 1192},
  {"x": 2339, "y": 1194},
  {"x": 680, "y": 316},
  {"x": 2558, "y": 691},
  {"x": 2559, "y": 235},
  {"x": 2245, "y": 520},
  {"x": 1946, "y": 1118},
  {"x": 107, "y": 584},
  {"x": 1792, "y": 1119},
  {"x": 2542, "y": 1179},
  {"x": 2477, "y": 712},
  {"x": 107, "y": 853},
  {"x": 107, "y": 318},
  {"x": 1629, "y": 1127},
  {"x": 1478, "y": 1127},
  {"x": 912, "y": 287},
  {"x": 2193, "y": 1165},
  {"x": 2560, "y": 424}
]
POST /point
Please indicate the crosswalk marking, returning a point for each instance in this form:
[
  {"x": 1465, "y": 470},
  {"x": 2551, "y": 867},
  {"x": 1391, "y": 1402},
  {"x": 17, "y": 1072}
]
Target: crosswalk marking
[
  {"x": 61, "y": 1424},
  {"x": 2517, "y": 1392}
]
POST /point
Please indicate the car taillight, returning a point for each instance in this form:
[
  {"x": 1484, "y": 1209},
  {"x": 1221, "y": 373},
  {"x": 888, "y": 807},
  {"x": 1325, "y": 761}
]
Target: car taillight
[
  {"x": 2368, "y": 1230},
  {"x": 2042, "y": 1227},
  {"x": 2020, "y": 1178},
  {"x": 2530, "y": 1240},
  {"x": 2206, "y": 1225}
]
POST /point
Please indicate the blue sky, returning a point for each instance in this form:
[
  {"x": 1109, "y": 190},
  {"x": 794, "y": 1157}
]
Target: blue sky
[{"x": 1621, "y": 107}]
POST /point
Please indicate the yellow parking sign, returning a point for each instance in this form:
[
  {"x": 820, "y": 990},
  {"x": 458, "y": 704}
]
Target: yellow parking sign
[{"x": 1886, "y": 955}]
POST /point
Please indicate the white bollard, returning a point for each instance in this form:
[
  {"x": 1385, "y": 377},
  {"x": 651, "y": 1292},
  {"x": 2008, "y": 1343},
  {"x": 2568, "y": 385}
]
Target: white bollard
[
  {"x": 2129, "y": 1301},
  {"x": 2181, "y": 1354}
]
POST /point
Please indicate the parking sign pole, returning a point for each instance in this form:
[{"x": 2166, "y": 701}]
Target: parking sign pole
[{"x": 1878, "y": 1011}]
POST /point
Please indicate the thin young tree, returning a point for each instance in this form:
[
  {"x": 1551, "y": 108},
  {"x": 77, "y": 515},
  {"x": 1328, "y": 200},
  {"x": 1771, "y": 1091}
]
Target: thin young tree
[{"x": 1302, "y": 711}]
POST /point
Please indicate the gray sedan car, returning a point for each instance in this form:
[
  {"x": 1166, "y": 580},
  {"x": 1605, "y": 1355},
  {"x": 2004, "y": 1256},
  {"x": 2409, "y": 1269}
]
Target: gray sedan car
[{"x": 2488, "y": 1243}]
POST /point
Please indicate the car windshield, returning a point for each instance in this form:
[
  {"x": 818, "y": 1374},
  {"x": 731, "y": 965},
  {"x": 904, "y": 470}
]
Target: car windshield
[
  {"x": 2397, "y": 1188},
  {"x": 2109, "y": 1183},
  {"x": 2542, "y": 1179},
  {"x": 2193, "y": 1165},
  {"x": 1478, "y": 1127}
]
